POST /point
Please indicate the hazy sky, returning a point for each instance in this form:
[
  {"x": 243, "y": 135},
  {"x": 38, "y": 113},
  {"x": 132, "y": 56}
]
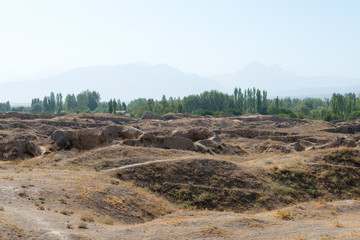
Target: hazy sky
[{"x": 310, "y": 37}]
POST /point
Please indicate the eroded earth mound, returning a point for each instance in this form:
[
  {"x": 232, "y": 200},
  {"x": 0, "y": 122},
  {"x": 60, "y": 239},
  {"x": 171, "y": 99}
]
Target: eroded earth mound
[{"x": 103, "y": 176}]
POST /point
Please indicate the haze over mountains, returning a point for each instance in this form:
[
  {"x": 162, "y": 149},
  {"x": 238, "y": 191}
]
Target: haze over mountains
[
  {"x": 127, "y": 82},
  {"x": 131, "y": 81},
  {"x": 282, "y": 83}
]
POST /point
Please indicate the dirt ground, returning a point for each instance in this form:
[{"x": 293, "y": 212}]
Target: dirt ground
[{"x": 101, "y": 176}]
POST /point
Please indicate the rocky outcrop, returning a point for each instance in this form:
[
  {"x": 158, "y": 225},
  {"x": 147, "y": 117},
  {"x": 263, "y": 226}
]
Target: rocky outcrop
[
  {"x": 169, "y": 142},
  {"x": 91, "y": 138},
  {"x": 218, "y": 148},
  {"x": 197, "y": 139},
  {"x": 337, "y": 142},
  {"x": 197, "y": 134},
  {"x": 81, "y": 139},
  {"x": 273, "y": 147},
  {"x": 18, "y": 147},
  {"x": 112, "y": 132},
  {"x": 184, "y": 140},
  {"x": 297, "y": 147},
  {"x": 248, "y": 133}
]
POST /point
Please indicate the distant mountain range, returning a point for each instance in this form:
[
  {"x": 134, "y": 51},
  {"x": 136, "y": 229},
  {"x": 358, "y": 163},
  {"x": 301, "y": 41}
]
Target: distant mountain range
[
  {"x": 279, "y": 82},
  {"x": 131, "y": 81},
  {"x": 125, "y": 82}
]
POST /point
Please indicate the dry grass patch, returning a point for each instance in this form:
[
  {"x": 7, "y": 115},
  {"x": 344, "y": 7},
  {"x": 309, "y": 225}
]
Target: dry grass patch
[
  {"x": 82, "y": 225},
  {"x": 82, "y": 236},
  {"x": 8, "y": 177},
  {"x": 14, "y": 229},
  {"x": 41, "y": 198},
  {"x": 69, "y": 225},
  {"x": 28, "y": 185},
  {"x": 105, "y": 220},
  {"x": 326, "y": 238},
  {"x": 298, "y": 237},
  {"x": 284, "y": 193},
  {"x": 87, "y": 217},
  {"x": 22, "y": 193},
  {"x": 214, "y": 231},
  {"x": 321, "y": 202},
  {"x": 338, "y": 224},
  {"x": 284, "y": 215},
  {"x": 355, "y": 234},
  {"x": 115, "y": 202},
  {"x": 30, "y": 162},
  {"x": 66, "y": 212},
  {"x": 333, "y": 210},
  {"x": 255, "y": 225},
  {"x": 41, "y": 207}
]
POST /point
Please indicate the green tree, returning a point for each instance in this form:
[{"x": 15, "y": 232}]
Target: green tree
[
  {"x": 110, "y": 106},
  {"x": 264, "y": 102},
  {"x": 46, "y": 107},
  {"x": 52, "y": 102},
  {"x": 70, "y": 103},
  {"x": 151, "y": 104},
  {"x": 137, "y": 107},
  {"x": 114, "y": 106},
  {"x": 7, "y": 106},
  {"x": 59, "y": 103},
  {"x": 93, "y": 99},
  {"x": 258, "y": 101},
  {"x": 304, "y": 109},
  {"x": 82, "y": 101},
  {"x": 337, "y": 103},
  {"x": 36, "y": 108},
  {"x": 277, "y": 102},
  {"x": 35, "y": 101}
]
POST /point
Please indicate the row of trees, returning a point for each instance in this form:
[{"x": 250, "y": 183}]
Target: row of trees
[
  {"x": 248, "y": 101},
  {"x": 50, "y": 103},
  {"x": 209, "y": 102},
  {"x": 344, "y": 104},
  {"x": 85, "y": 101},
  {"x": 115, "y": 105}
]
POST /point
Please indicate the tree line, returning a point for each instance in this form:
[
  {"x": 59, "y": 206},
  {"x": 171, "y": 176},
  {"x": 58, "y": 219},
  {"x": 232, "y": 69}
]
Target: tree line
[
  {"x": 86, "y": 101},
  {"x": 247, "y": 101},
  {"x": 251, "y": 101}
]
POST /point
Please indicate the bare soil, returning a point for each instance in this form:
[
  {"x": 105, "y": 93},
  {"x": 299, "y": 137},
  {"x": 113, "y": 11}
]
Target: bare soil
[{"x": 101, "y": 176}]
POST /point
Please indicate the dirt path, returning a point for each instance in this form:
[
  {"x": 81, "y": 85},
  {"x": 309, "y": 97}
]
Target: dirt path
[{"x": 147, "y": 163}]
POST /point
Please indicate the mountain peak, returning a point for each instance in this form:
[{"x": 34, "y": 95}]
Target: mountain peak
[{"x": 254, "y": 65}]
